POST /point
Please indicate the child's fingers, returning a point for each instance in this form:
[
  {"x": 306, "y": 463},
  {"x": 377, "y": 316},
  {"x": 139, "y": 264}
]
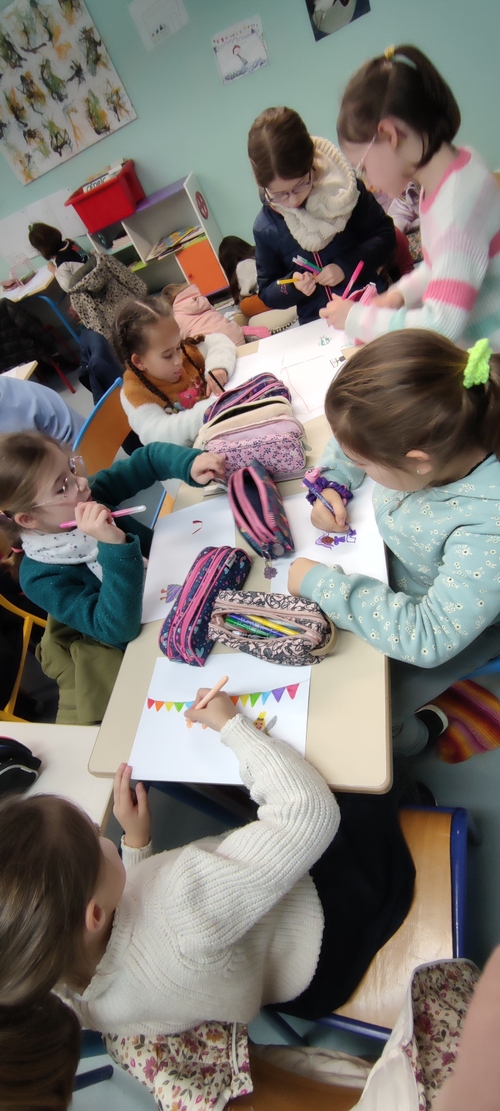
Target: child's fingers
[
  {"x": 142, "y": 800},
  {"x": 121, "y": 786},
  {"x": 199, "y": 695}
]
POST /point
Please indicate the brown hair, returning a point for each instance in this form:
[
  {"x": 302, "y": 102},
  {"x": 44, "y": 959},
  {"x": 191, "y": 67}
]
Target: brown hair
[
  {"x": 39, "y": 1054},
  {"x": 279, "y": 145},
  {"x": 172, "y": 290},
  {"x": 45, "y": 239},
  {"x": 49, "y": 869},
  {"x": 233, "y": 250},
  {"x": 23, "y": 458},
  {"x": 130, "y": 336},
  {"x": 406, "y": 86},
  {"x": 404, "y": 392}
]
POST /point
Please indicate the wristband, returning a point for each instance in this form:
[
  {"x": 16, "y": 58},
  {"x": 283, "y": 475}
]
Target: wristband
[{"x": 317, "y": 483}]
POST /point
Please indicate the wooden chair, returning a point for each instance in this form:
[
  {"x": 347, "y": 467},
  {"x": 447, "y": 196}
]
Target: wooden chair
[
  {"x": 29, "y": 619},
  {"x": 103, "y": 432},
  {"x": 433, "y": 929},
  {"x": 274, "y": 1089}
]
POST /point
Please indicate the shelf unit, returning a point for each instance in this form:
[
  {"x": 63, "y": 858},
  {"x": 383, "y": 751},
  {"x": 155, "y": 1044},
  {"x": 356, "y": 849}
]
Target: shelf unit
[{"x": 180, "y": 204}]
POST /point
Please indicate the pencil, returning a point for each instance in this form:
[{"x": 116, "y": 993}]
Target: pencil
[
  {"x": 116, "y": 513},
  {"x": 216, "y": 380},
  {"x": 215, "y": 690},
  {"x": 355, "y": 274}
]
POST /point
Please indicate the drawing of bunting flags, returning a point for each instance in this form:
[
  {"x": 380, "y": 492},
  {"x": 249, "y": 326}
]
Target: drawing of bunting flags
[{"x": 253, "y": 697}]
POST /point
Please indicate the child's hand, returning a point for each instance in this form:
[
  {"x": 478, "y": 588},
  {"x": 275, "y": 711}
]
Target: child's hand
[
  {"x": 212, "y": 388},
  {"x": 336, "y": 312},
  {"x": 207, "y": 467},
  {"x": 95, "y": 520},
  {"x": 336, "y": 521},
  {"x": 391, "y": 299},
  {"x": 330, "y": 275},
  {"x": 131, "y": 809},
  {"x": 219, "y": 710},
  {"x": 305, "y": 282},
  {"x": 298, "y": 571}
]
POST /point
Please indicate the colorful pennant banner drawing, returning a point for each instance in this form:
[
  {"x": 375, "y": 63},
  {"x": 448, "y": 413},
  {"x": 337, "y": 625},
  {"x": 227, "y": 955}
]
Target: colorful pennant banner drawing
[{"x": 277, "y": 693}]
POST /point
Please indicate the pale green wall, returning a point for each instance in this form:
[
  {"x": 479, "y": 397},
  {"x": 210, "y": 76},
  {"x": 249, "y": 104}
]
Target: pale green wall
[{"x": 187, "y": 120}]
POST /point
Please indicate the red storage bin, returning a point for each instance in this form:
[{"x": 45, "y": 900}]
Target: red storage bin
[{"x": 111, "y": 201}]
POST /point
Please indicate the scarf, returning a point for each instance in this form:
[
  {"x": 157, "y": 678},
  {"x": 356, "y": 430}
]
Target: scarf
[
  {"x": 62, "y": 547},
  {"x": 330, "y": 203}
]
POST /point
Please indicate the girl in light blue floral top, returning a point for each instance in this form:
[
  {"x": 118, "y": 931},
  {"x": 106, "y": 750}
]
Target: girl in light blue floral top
[{"x": 422, "y": 418}]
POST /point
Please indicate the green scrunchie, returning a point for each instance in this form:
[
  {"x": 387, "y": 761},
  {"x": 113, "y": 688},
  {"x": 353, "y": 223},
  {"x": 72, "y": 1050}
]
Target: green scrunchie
[{"x": 477, "y": 370}]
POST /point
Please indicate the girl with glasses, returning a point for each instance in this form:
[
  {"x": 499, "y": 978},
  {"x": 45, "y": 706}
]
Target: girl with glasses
[
  {"x": 313, "y": 207},
  {"x": 397, "y": 123},
  {"x": 90, "y": 577}
]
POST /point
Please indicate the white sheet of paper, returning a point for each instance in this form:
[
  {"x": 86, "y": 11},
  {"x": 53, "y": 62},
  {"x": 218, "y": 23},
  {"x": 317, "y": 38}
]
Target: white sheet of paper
[
  {"x": 177, "y": 541},
  {"x": 366, "y": 556},
  {"x": 166, "y": 749}
]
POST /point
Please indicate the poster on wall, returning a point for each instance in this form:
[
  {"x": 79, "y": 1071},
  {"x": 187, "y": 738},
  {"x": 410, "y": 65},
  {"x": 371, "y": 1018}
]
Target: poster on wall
[
  {"x": 240, "y": 49},
  {"x": 59, "y": 91},
  {"x": 156, "y": 20},
  {"x": 328, "y": 16}
]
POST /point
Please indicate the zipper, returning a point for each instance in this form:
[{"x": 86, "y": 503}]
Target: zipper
[
  {"x": 288, "y": 616},
  {"x": 244, "y": 407},
  {"x": 252, "y": 521},
  {"x": 194, "y": 609},
  {"x": 178, "y": 630}
]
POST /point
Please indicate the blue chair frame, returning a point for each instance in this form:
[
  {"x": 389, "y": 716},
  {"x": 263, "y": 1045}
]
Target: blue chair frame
[{"x": 458, "y": 865}]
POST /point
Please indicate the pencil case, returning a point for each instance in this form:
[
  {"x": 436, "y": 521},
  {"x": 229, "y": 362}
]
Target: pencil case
[
  {"x": 276, "y": 442},
  {"x": 184, "y": 635},
  {"x": 313, "y": 639},
  {"x": 250, "y": 393},
  {"x": 258, "y": 510}
]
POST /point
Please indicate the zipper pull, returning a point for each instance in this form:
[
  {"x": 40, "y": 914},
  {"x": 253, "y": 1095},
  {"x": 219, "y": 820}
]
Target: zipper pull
[{"x": 270, "y": 572}]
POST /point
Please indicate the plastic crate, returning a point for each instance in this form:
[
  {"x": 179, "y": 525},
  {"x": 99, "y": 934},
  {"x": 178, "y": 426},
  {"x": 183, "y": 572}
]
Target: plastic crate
[{"x": 111, "y": 201}]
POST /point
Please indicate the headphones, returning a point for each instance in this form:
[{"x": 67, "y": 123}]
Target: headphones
[{"x": 18, "y": 766}]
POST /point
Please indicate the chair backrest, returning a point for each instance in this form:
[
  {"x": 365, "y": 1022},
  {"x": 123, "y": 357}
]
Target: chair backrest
[
  {"x": 104, "y": 431},
  {"x": 433, "y": 928},
  {"x": 29, "y": 619}
]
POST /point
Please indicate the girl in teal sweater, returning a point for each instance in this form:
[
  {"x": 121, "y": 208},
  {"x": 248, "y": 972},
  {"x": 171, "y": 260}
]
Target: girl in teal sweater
[
  {"x": 91, "y": 577},
  {"x": 421, "y": 418}
]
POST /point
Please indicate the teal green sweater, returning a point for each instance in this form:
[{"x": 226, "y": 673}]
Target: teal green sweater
[
  {"x": 444, "y": 566},
  {"x": 109, "y": 611}
]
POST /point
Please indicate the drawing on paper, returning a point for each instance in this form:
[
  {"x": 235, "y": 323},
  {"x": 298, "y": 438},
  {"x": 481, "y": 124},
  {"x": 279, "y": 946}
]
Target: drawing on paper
[
  {"x": 240, "y": 49},
  {"x": 59, "y": 92},
  {"x": 257, "y": 713},
  {"x": 329, "y": 541}
]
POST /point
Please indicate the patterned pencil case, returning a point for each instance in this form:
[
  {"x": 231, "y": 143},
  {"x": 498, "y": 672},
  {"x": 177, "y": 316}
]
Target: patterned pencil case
[
  {"x": 293, "y": 630},
  {"x": 184, "y": 635},
  {"x": 258, "y": 510}
]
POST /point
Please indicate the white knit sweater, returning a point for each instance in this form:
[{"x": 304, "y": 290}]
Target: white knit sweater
[{"x": 218, "y": 928}]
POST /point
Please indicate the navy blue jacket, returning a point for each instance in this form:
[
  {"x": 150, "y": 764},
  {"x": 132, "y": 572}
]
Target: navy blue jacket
[{"x": 369, "y": 235}]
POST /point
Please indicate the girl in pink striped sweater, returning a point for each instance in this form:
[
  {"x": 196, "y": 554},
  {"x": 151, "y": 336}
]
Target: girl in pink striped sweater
[{"x": 397, "y": 123}]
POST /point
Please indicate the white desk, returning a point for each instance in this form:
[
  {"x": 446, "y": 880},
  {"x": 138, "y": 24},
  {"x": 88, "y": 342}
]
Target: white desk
[
  {"x": 64, "y": 751},
  {"x": 23, "y": 371}
]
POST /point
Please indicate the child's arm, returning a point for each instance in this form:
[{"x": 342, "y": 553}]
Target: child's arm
[
  {"x": 127, "y": 477},
  {"x": 213, "y": 897},
  {"x": 336, "y": 467},
  {"x": 153, "y": 425},
  {"x": 220, "y": 357}
]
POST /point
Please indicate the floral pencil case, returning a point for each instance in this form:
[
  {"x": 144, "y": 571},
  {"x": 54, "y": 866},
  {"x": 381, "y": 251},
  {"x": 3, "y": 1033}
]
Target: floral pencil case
[{"x": 274, "y": 627}]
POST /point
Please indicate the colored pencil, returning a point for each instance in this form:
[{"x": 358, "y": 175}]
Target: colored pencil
[
  {"x": 116, "y": 513},
  {"x": 355, "y": 274},
  {"x": 211, "y": 694},
  {"x": 307, "y": 265},
  {"x": 287, "y": 281}
]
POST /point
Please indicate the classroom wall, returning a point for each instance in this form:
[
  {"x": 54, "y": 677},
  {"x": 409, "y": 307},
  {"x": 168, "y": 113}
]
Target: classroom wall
[{"x": 188, "y": 120}]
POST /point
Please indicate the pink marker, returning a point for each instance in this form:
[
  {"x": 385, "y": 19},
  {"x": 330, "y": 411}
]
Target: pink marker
[
  {"x": 117, "y": 513},
  {"x": 352, "y": 279}
]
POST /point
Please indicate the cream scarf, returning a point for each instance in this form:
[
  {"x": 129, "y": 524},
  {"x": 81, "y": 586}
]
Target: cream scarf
[
  {"x": 62, "y": 547},
  {"x": 330, "y": 203}
]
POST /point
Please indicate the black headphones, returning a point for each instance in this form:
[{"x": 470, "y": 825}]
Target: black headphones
[{"x": 18, "y": 766}]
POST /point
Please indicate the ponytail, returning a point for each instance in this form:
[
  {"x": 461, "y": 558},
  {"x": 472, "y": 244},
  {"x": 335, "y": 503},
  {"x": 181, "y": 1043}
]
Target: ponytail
[{"x": 405, "y": 84}]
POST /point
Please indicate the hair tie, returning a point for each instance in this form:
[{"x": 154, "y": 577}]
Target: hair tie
[
  {"x": 389, "y": 53},
  {"x": 477, "y": 370},
  {"x": 391, "y": 56},
  {"x": 5, "y": 517}
]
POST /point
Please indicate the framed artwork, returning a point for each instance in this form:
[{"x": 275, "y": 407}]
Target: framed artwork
[
  {"x": 328, "y": 16},
  {"x": 59, "y": 91}
]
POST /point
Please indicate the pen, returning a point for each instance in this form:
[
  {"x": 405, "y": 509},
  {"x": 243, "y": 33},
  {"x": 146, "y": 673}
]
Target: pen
[
  {"x": 247, "y": 625},
  {"x": 283, "y": 630},
  {"x": 116, "y": 513},
  {"x": 312, "y": 488},
  {"x": 210, "y": 694},
  {"x": 307, "y": 265},
  {"x": 286, "y": 281},
  {"x": 355, "y": 274},
  {"x": 216, "y": 380}
]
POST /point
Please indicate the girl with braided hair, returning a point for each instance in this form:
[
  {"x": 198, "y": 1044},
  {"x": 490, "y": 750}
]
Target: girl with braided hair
[{"x": 167, "y": 381}]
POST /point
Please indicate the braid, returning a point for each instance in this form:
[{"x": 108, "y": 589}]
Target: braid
[
  {"x": 131, "y": 324},
  {"x": 149, "y": 386}
]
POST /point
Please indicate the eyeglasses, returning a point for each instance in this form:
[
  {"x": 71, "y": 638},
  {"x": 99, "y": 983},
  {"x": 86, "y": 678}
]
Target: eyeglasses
[
  {"x": 70, "y": 485},
  {"x": 295, "y": 192},
  {"x": 360, "y": 169}
]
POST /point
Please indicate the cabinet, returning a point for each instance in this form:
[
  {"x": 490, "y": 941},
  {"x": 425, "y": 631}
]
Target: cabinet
[{"x": 178, "y": 205}]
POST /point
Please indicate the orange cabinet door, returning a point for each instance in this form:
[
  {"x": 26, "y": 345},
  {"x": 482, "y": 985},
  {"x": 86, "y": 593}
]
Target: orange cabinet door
[{"x": 201, "y": 266}]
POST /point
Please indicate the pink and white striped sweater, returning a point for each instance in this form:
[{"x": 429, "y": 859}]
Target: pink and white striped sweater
[{"x": 456, "y": 289}]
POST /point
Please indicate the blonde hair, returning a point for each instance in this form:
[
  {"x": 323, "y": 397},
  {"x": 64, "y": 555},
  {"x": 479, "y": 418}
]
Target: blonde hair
[{"x": 405, "y": 391}]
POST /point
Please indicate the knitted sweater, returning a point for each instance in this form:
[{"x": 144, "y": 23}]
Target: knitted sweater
[
  {"x": 109, "y": 611},
  {"x": 456, "y": 289},
  {"x": 221, "y": 926},
  {"x": 444, "y": 566},
  {"x": 154, "y": 420}
]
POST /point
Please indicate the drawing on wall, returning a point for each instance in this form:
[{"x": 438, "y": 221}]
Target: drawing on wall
[
  {"x": 59, "y": 91},
  {"x": 328, "y": 16},
  {"x": 156, "y": 20},
  {"x": 240, "y": 50}
]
